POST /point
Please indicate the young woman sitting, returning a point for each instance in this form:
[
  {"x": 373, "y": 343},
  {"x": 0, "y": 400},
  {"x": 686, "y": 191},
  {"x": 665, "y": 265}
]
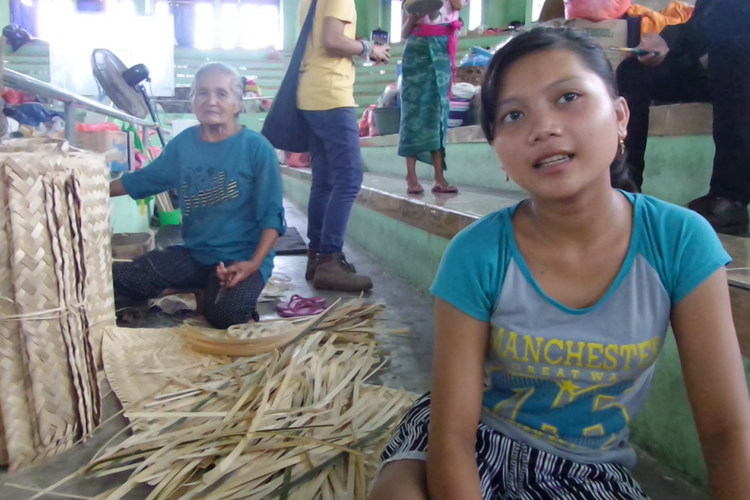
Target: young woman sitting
[{"x": 551, "y": 314}]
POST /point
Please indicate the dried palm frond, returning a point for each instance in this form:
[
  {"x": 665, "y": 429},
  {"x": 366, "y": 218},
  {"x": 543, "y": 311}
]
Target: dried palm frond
[{"x": 300, "y": 422}]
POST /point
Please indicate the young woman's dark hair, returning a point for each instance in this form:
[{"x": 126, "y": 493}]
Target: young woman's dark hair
[{"x": 539, "y": 40}]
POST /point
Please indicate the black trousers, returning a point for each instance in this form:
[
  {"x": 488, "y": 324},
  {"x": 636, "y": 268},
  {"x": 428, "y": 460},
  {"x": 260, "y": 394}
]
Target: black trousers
[
  {"x": 174, "y": 268},
  {"x": 725, "y": 84}
]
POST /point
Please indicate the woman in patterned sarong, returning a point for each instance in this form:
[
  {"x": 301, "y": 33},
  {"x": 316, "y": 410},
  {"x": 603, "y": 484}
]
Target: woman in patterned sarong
[{"x": 428, "y": 64}]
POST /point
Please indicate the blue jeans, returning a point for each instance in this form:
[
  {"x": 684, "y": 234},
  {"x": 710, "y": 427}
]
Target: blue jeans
[{"x": 336, "y": 176}]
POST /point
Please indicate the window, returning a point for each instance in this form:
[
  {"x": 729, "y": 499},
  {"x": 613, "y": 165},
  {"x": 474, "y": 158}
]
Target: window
[
  {"x": 536, "y": 10},
  {"x": 229, "y": 25},
  {"x": 49, "y": 14},
  {"x": 204, "y": 26},
  {"x": 475, "y": 14},
  {"x": 120, "y": 7},
  {"x": 261, "y": 27},
  {"x": 396, "y": 20},
  {"x": 248, "y": 26},
  {"x": 161, "y": 9}
]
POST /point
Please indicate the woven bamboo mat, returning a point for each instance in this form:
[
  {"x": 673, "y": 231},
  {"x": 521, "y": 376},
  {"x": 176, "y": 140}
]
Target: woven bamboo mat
[
  {"x": 49, "y": 396},
  {"x": 35, "y": 285},
  {"x": 14, "y": 406},
  {"x": 97, "y": 242},
  {"x": 143, "y": 363}
]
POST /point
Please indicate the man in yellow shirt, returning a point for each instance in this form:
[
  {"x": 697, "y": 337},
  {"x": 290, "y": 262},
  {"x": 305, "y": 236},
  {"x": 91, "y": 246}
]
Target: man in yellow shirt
[{"x": 326, "y": 99}]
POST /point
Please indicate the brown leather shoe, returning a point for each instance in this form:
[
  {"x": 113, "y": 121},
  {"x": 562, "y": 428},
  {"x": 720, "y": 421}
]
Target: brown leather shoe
[
  {"x": 333, "y": 272},
  {"x": 725, "y": 215},
  {"x": 312, "y": 264}
]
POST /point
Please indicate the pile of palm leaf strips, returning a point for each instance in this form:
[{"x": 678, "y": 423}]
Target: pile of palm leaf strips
[{"x": 296, "y": 416}]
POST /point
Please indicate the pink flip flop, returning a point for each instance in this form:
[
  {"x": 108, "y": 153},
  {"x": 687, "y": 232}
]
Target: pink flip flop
[{"x": 301, "y": 306}]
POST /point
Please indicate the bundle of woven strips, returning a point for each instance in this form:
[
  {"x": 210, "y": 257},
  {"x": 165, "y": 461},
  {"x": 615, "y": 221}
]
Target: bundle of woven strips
[
  {"x": 289, "y": 409},
  {"x": 56, "y": 295}
]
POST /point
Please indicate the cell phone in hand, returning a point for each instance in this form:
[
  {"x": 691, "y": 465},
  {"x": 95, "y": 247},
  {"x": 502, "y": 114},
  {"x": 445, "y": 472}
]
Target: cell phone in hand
[
  {"x": 636, "y": 52},
  {"x": 379, "y": 37}
]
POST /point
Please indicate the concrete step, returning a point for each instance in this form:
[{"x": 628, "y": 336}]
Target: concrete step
[
  {"x": 409, "y": 235},
  {"x": 679, "y": 156}
]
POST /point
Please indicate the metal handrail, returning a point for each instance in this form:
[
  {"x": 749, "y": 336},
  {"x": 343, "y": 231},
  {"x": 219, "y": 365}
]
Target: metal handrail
[{"x": 32, "y": 85}]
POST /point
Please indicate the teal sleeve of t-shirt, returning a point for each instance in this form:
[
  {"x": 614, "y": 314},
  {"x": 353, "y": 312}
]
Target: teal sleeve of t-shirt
[
  {"x": 680, "y": 244},
  {"x": 268, "y": 197},
  {"x": 698, "y": 253},
  {"x": 157, "y": 177},
  {"x": 472, "y": 269}
]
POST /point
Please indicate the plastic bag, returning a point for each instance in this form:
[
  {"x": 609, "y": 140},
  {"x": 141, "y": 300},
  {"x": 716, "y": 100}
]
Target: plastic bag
[
  {"x": 367, "y": 123},
  {"x": 297, "y": 160},
  {"x": 596, "y": 10},
  {"x": 97, "y": 127},
  {"x": 476, "y": 57},
  {"x": 388, "y": 98}
]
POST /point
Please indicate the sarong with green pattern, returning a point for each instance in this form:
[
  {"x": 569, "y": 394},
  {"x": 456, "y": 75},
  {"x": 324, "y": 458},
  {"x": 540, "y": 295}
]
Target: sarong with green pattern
[{"x": 425, "y": 106}]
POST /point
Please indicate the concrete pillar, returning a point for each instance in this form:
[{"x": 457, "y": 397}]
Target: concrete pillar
[
  {"x": 290, "y": 17},
  {"x": 498, "y": 14},
  {"x": 369, "y": 14},
  {"x": 385, "y": 15}
]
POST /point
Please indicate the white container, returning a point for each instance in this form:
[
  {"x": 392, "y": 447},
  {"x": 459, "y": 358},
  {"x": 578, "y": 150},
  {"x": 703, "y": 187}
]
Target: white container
[{"x": 178, "y": 126}]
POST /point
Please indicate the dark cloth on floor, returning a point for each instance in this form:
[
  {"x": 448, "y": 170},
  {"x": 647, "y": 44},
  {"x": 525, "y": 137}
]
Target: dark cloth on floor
[
  {"x": 337, "y": 175},
  {"x": 514, "y": 471},
  {"x": 149, "y": 276},
  {"x": 719, "y": 29}
]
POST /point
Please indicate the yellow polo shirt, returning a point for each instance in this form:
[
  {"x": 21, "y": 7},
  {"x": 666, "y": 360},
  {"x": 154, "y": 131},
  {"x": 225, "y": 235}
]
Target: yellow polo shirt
[{"x": 327, "y": 82}]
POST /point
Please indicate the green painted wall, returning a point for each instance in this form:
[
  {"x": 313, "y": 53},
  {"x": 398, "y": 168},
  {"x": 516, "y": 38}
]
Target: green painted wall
[
  {"x": 4, "y": 13},
  {"x": 499, "y": 13},
  {"x": 679, "y": 168},
  {"x": 410, "y": 253},
  {"x": 290, "y": 15},
  {"x": 369, "y": 17}
]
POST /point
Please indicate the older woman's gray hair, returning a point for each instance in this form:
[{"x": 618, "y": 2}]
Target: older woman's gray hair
[{"x": 238, "y": 89}]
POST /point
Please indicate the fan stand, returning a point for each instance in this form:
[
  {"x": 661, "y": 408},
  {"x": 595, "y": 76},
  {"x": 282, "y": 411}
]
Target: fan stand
[
  {"x": 142, "y": 90},
  {"x": 135, "y": 77}
]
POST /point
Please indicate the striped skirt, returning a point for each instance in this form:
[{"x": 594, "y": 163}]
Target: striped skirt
[{"x": 509, "y": 470}]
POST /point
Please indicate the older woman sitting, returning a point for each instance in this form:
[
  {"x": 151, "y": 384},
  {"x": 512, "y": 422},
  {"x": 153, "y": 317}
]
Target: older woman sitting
[{"x": 229, "y": 186}]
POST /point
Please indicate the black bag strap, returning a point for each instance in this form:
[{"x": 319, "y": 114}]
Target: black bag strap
[{"x": 299, "y": 49}]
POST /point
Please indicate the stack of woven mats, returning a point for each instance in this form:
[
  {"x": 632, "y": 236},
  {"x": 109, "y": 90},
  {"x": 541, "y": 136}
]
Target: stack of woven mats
[{"x": 56, "y": 296}]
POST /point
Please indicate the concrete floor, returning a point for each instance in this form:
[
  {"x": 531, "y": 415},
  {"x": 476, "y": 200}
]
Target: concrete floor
[{"x": 410, "y": 368}]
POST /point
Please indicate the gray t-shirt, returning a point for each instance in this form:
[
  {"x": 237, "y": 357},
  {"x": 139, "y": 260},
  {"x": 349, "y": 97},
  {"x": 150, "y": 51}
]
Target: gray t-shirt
[{"x": 569, "y": 381}]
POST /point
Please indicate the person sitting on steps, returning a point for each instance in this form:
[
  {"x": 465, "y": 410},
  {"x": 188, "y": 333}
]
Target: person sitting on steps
[{"x": 706, "y": 59}]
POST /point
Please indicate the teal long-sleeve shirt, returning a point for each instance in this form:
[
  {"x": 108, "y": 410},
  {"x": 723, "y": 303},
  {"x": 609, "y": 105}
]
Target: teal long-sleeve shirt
[{"x": 230, "y": 192}]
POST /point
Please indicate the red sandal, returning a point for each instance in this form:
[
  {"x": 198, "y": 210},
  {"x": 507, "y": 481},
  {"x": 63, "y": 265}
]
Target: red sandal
[{"x": 444, "y": 189}]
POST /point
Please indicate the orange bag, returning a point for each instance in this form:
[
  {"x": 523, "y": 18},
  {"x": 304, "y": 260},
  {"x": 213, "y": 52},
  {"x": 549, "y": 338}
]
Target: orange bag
[
  {"x": 654, "y": 22},
  {"x": 596, "y": 10}
]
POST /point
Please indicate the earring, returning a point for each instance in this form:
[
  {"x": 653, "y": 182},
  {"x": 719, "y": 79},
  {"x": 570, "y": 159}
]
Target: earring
[
  {"x": 507, "y": 177},
  {"x": 622, "y": 147}
]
